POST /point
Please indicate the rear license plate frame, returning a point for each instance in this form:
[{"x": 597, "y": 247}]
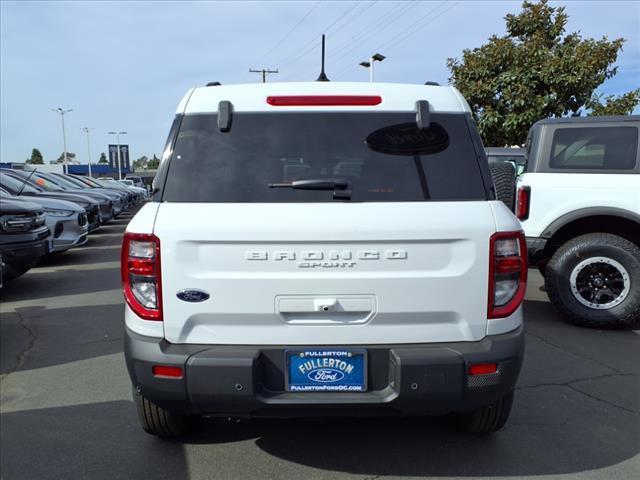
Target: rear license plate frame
[{"x": 354, "y": 381}]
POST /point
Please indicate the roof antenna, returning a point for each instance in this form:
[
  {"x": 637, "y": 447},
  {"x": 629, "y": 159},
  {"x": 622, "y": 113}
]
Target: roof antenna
[{"x": 322, "y": 77}]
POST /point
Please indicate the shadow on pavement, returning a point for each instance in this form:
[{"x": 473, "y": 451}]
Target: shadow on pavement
[
  {"x": 551, "y": 431},
  {"x": 37, "y": 338},
  {"x": 612, "y": 348},
  {"x": 95, "y": 441},
  {"x": 566, "y": 418}
]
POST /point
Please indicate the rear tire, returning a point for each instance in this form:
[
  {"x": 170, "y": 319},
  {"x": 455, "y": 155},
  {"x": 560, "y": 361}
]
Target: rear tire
[
  {"x": 487, "y": 419},
  {"x": 596, "y": 257},
  {"x": 504, "y": 179},
  {"x": 157, "y": 421}
]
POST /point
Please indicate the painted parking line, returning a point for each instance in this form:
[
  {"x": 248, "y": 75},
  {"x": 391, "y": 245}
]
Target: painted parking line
[
  {"x": 107, "y": 234},
  {"x": 91, "y": 299},
  {"x": 104, "y": 247},
  {"x": 87, "y": 266}
]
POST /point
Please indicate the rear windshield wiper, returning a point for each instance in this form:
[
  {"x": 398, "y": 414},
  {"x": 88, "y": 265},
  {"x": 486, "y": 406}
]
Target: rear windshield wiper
[
  {"x": 340, "y": 187},
  {"x": 25, "y": 182}
]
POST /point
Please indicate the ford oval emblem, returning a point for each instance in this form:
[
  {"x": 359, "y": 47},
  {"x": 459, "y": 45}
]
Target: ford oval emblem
[
  {"x": 325, "y": 375},
  {"x": 192, "y": 295}
]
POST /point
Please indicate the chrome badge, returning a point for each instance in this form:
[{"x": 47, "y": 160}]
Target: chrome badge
[
  {"x": 328, "y": 259},
  {"x": 192, "y": 295}
]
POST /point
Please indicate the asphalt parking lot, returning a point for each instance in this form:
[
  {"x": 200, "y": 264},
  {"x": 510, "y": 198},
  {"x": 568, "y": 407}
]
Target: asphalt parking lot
[{"x": 66, "y": 409}]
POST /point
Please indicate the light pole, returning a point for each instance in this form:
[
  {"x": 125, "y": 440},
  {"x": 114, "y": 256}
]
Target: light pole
[
  {"x": 87, "y": 130},
  {"x": 117, "y": 134},
  {"x": 374, "y": 58},
  {"x": 62, "y": 112}
]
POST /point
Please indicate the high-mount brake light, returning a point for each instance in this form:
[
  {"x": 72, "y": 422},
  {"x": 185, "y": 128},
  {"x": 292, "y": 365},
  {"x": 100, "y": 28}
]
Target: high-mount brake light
[
  {"x": 323, "y": 100},
  {"x": 523, "y": 201},
  {"x": 507, "y": 273},
  {"x": 141, "y": 277}
]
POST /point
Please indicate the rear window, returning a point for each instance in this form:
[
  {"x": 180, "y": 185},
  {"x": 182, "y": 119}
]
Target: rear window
[
  {"x": 594, "y": 148},
  {"x": 382, "y": 156}
]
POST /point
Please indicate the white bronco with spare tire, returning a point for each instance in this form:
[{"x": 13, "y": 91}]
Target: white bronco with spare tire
[
  {"x": 579, "y": 203},
  {"x": 323, "y": 249}
]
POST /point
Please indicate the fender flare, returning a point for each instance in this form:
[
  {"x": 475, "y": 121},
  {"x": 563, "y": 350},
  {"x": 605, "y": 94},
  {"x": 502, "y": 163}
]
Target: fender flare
[{"x": 569, "y": 217}]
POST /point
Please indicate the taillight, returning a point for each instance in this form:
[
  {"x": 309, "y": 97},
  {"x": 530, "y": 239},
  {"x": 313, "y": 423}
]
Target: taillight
[
  {"x": 323, "y": 100},
  {"x": 522, "y": 203},
  {"x": 507, "y": 273},
  {"x": 141, "y": 277}
]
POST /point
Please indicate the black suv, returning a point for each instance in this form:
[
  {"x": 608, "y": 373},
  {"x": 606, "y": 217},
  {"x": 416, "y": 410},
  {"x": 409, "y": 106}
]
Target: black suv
[{"x": 23, "y": 236}]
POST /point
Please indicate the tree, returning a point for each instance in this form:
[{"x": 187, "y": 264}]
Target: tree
[
  {"x": 153, "y": 163},
  {"x": 71, "y": 158},
  {"x": 535, "y": 71},
  {"x": 36, "y": 157},
  {"x": 140, "y": 163},
  {"x": 622, "y": 105},
  {"x": 103, "y": 158}
]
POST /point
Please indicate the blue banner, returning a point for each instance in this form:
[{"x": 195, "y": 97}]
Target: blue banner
[{"x": 124, "y": 157}]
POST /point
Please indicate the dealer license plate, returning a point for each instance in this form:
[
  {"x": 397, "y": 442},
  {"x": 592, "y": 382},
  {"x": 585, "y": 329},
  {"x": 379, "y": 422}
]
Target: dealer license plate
[{"x": 326, "y": 370}]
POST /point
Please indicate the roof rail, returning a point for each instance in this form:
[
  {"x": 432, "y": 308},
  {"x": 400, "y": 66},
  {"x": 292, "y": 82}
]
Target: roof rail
[
  {"x": 213, "y": 84},
  {"x": 435, "y": 84}
]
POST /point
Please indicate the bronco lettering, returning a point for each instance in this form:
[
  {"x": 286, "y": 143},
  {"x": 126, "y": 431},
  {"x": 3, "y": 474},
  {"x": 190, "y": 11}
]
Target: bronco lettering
[{"x": 330, "y": 259}]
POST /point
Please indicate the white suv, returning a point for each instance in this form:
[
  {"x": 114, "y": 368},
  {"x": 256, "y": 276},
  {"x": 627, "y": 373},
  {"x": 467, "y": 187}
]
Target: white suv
[
  {"x": 323, "y": 248},
  {"x": 579, "y": 202}
]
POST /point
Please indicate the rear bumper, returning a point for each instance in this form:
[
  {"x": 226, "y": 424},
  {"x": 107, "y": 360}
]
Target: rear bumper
[{"x": 249, "y": 380}]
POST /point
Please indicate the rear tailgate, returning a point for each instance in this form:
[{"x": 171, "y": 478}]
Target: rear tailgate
[{"x": 325, "y": 273}]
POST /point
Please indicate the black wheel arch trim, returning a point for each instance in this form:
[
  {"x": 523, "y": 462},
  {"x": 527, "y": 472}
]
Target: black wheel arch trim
[{"x": 581, "y": 213}]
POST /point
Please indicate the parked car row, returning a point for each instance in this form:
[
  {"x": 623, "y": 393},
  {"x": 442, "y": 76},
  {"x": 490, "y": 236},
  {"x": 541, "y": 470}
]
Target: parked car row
[{"x": 43, "y": 213}]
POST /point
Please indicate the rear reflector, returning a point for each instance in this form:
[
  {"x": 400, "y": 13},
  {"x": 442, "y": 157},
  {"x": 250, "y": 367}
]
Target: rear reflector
[
  {"x": 483, "y": 368},
  {"x": 323, "y": 100},
  {"x": 167, "y": 371}
]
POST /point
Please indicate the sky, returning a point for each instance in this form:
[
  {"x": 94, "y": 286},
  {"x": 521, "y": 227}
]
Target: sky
[{"x": 126, "y": 65}]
